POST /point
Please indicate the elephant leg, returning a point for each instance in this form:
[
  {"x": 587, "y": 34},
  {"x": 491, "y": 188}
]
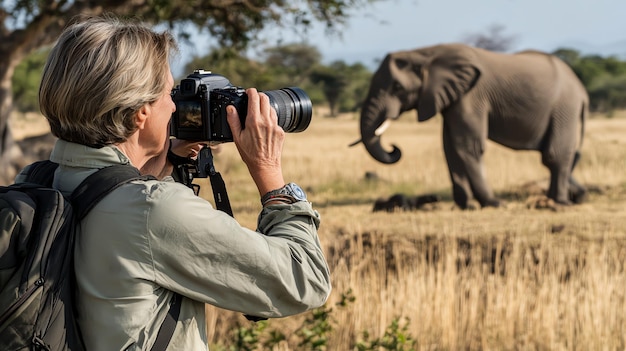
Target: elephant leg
[
  {"x": 559, "y": 183},
  {"x": 461, "y": 189},
  {"x": 577, "y": 192},
  {"x": 559, "y": 155},
  {"x": 464, "y": 158},
  {"x": 560, "y": 174}
]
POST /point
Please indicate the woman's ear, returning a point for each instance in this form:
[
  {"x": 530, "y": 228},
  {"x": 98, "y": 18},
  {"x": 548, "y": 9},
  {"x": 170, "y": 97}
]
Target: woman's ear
[{"x": 142, "y": 115}]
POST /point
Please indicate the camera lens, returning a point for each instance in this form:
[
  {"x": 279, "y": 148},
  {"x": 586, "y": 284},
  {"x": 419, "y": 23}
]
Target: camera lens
[{"x": 293, "y": 107}]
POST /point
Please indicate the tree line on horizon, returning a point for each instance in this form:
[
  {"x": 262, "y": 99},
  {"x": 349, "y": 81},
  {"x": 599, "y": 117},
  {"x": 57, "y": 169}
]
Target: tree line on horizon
[
  {"x": 29, "y": 27},
  {"x": 340, "y": 85}
]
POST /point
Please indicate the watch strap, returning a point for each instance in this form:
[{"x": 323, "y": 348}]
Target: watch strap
[{"x": 288, "y": 194}]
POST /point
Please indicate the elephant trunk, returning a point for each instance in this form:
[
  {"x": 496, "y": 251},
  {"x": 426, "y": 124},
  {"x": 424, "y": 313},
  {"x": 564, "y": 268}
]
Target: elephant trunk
[{"x": 373, "y": 123}]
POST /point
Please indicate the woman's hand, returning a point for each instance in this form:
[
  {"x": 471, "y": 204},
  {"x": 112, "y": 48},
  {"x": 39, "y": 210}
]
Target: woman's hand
[
  {"x": 186, "y": 149},
  {"x": 260, "y": 143},
  {"x": 161, "y": 167}
]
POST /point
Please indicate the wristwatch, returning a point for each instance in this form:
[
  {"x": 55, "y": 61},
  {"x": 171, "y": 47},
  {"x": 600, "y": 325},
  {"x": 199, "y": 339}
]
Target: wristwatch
[{"x": 290, "y": 193}]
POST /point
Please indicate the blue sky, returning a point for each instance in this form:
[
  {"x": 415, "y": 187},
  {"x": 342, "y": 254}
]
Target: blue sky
[{"x": 591, "y": 26}]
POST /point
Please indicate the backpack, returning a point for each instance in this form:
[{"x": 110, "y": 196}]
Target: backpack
[{"x": 37, "y": 282}]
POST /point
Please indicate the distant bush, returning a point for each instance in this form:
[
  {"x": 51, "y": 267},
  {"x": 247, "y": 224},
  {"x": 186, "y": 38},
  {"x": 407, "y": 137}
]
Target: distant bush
[
  {"x": 603, "y": 77},
  {"x": 26, "y": 82},
  {"x": 608, "y": 93}
]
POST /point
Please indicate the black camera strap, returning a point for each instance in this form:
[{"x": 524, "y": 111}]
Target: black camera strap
[
  {"x": 217, "y": 183},
  {"x": 204, "y": 168}
]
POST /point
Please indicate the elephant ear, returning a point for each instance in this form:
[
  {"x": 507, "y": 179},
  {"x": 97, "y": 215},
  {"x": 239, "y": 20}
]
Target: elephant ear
[{"x": 445, "y": 81}]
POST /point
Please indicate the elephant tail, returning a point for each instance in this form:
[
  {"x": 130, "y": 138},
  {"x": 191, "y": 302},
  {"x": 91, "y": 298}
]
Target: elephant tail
[
  {"x": 584, "y": 113},
  {"x": 576, "y": 158}
]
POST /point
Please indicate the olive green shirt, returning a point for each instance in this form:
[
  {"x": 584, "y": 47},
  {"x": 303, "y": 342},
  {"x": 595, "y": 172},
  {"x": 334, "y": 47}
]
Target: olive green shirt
[{"x": 148, "y": 239}]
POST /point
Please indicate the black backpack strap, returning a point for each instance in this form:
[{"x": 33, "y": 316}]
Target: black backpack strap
[
  {"x": 166, "y": 331},
  {"x": 93, "y": 189},
  {"x": 41, "y": 172}
]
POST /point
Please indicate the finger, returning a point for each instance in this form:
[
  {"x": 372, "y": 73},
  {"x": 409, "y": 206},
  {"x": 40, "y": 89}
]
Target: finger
[
  {"x": 233, "y": 120},
  {"x": 198, "y": 146},
  {"x": 254, "y": 103},
  {"x": 266, "y": 109}
]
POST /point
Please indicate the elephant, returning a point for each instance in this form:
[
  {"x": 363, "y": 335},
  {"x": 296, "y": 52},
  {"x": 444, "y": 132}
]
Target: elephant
[{"x": 525, "y": 101}]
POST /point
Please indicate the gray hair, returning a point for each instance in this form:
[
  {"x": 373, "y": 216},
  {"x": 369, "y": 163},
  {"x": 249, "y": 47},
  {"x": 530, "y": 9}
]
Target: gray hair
[{"x": 99, "y": 74}]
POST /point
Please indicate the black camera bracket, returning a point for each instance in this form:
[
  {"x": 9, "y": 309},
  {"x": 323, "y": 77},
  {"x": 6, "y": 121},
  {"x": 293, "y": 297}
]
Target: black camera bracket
[{"x": 203, "y": 167}]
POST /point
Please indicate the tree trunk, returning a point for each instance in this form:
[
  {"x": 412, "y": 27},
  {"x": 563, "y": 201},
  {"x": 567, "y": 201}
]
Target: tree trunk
[
  {"x": 331, "y": 107},
  {"x": 11, "y": 159},
  {"x": 14, "y": 46}
]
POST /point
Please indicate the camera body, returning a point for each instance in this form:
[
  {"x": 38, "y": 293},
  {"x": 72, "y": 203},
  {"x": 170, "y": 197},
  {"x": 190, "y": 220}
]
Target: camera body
[{"x": 201, "y": 101}]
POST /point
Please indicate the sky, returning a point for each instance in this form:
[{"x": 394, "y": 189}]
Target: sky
[{"x": 590, "y": 26}]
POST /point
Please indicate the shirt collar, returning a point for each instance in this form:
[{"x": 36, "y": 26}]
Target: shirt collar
[{"x": 77, "y": 155}]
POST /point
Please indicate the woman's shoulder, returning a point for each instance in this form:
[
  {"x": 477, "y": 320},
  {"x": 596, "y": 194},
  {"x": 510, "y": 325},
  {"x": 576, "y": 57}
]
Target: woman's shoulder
[{"x": 155, "y": 189}]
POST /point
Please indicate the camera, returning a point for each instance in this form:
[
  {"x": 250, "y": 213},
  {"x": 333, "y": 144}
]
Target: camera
[{"x": 201, "y": 101}]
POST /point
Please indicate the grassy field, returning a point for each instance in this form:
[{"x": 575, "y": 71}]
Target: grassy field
[{"x": 527, "y": 276}]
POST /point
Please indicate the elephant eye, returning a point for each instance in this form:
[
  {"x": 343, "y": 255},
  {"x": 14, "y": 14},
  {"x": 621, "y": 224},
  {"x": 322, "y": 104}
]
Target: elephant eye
[{"x": 397, "y": 88}]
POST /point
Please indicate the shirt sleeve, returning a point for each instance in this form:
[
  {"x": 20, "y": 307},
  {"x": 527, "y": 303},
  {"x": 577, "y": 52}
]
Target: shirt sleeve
[{"x": 208, "y": 256}]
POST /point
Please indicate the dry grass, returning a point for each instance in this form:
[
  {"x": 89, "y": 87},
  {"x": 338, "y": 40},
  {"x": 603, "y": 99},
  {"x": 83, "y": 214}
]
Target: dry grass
[{"x": 513, "y": 278}]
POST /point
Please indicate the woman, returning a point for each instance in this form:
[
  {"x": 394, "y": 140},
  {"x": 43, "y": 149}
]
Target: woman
[{"x": 105, "y": 91}]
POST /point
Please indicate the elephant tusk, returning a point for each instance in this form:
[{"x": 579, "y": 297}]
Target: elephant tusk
[{"x": 380, "y": 130}]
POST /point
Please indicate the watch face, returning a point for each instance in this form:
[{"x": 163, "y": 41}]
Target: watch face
[{"x": 297, "y": 192}]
